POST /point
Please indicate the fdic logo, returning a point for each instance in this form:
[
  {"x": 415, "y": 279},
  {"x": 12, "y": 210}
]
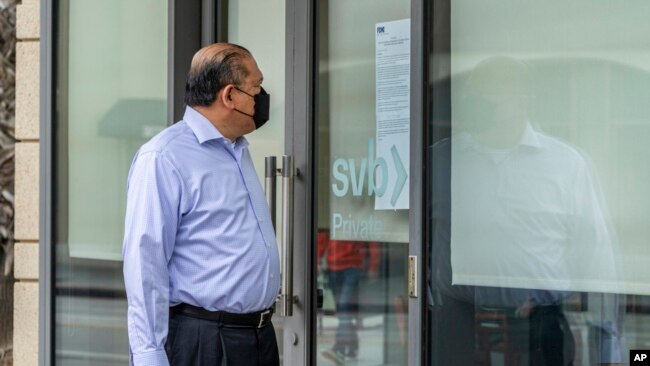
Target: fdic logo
[
  {"x": 381, "y": 30},
  {"x": 639, "y": 357}
]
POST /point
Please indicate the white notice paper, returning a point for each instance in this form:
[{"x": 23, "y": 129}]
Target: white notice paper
[{"x": 393, "y": 68}]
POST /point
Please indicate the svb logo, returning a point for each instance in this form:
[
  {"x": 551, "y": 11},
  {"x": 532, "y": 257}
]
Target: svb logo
[
  {"x": 639, "y": 357},
  {"x": 347, "y": 175}
]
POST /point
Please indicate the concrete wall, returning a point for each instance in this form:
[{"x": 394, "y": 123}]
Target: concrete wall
[{"x": 27, "y": 184}]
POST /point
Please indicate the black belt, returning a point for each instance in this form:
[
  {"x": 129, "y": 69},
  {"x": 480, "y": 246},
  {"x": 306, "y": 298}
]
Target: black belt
[{"x": 258, "y": 320}]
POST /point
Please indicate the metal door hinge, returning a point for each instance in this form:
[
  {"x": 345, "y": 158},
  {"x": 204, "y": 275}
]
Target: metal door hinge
[{"x": 413, "y": 276}]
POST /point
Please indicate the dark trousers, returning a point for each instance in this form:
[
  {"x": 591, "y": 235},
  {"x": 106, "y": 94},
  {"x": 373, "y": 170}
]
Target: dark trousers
[
  {"x": 551, "y": 341},
  {"x": 198, "y": 342},
  {"x": 452, "y": 337}
]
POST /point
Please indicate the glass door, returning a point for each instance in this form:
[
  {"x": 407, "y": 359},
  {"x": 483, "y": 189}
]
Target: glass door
[{"x": 361, "y": 167}]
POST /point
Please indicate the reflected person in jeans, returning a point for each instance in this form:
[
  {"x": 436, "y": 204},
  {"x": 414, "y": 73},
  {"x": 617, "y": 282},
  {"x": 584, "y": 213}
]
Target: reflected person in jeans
[
  {"x": 519, "y": 225},
  {"x": 347, "y": 261}
]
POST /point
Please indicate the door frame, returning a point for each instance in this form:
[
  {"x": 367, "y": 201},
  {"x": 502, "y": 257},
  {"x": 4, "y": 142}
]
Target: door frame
[
  {"x": 299, "y": 341},
  {"x": 417, "y": 181}
]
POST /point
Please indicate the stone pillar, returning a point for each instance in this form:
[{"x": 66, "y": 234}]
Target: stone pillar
[{"x": 27, "y": 184}]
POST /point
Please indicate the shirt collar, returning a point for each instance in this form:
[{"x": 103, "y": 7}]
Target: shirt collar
[
  {"x": 530, "y": 137},
  {"x": 204, "y": 130}
]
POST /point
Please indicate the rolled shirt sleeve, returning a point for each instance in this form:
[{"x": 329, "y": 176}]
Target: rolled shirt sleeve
[{"x": 154, "y": 197}]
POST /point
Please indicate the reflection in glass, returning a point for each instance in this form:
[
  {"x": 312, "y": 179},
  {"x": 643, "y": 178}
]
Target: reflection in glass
[
  {"x": 346, "y": 263},
  {"x": 538, "y": 188},
  {"x": 526, "y": 227},
  {"x": 525, "y": 210}
]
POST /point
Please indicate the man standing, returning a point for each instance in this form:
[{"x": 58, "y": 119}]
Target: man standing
[{"x": 201, "y": 266}]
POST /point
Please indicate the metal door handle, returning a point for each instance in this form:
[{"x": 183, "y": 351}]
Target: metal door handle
[
  {"x": 270, "y": 172},
  {"x": 286, "y": 236},
  {"x": 286, "y": 299}
]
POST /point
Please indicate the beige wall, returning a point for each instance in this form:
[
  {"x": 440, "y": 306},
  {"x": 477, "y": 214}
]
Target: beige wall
[{"x": 27, "y": 184}]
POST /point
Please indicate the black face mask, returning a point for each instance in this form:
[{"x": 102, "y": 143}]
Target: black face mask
[{"x": 262, "y": 105}]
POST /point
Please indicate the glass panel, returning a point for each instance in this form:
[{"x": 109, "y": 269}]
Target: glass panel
[
  {"x": 260, "y": 27},
  {"x": 112, "y": 84},
  {"x": 538, "y": 196},
  {"x": 362, "y": 162}
]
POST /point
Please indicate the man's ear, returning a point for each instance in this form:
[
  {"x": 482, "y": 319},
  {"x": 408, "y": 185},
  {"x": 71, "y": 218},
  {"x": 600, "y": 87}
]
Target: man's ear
[{"x": 226, "y": 96}]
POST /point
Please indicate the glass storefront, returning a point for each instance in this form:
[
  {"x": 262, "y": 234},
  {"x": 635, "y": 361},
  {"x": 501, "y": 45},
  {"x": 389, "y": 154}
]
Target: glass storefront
[
  {"x": 111, "y": 98},
  {"x": 537, "y": 194}
]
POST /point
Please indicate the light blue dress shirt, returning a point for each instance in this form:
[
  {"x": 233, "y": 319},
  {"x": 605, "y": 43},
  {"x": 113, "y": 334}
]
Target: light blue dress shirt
[{"x": 197, "y": 231}]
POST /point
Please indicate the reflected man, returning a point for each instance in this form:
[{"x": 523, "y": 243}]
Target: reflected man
[{"x": 519, "y": 224}]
